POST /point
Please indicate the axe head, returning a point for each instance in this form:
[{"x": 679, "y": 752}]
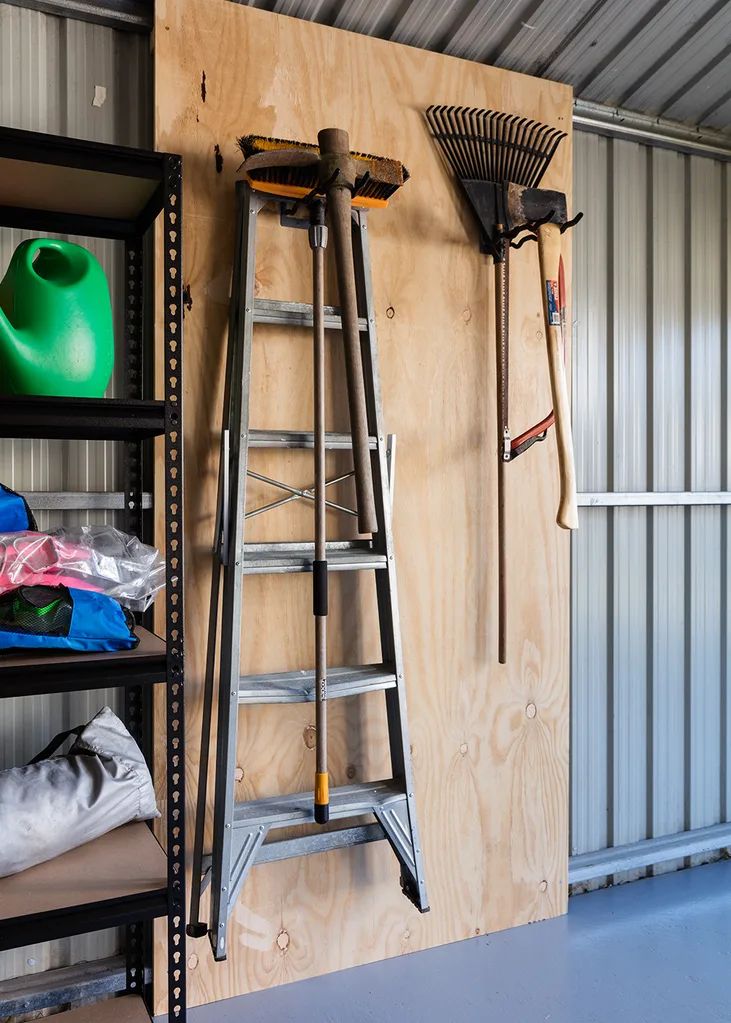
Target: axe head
[{"x": 504, "y": 207}]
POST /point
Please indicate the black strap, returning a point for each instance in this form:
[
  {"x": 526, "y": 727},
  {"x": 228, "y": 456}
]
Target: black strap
[{"x": 55, "y": 743}]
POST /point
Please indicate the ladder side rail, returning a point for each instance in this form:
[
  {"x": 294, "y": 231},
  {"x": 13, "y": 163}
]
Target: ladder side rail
[
  {"x": 386, "y": 587},
  {"x": 196, "y": 928},
  {"x": 230, "y": 658}
]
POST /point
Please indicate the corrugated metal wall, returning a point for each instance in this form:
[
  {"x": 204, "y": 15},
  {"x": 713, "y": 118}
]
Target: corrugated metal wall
[
  {"x": 49, "y": 70},
  {"x": 650, "y": 616}
]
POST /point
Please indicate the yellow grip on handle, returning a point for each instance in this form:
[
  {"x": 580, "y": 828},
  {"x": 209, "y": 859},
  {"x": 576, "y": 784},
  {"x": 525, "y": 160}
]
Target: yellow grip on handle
[{"x": 322, "y": 789}]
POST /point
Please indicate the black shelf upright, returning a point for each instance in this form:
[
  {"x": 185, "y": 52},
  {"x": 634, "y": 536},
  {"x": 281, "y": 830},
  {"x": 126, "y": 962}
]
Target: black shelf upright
[{"x": 69, "y": 186}]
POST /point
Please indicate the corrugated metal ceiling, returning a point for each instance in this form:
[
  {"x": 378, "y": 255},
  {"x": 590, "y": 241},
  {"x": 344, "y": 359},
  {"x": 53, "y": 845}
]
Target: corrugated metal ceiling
[
  {"x": 663, "y": 58},
  {"x": 668, "y": 58}
]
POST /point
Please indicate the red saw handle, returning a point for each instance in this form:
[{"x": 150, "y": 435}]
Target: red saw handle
[{"x": 538, "y": 432}]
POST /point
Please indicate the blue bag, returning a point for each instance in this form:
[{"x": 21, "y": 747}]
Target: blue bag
[
  {"x": 15, "y": 515},
  {"x": 59, "y": 618}
]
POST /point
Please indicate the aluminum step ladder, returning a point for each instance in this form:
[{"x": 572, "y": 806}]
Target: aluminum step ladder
[{"x": 244, "y": 834}]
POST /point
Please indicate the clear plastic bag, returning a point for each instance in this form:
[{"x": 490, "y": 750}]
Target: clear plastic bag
[{"x": 99, "y": 558}]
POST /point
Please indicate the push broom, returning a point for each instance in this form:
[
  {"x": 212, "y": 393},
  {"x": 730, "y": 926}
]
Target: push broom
[
  {"x": 334, "y": 179},
  {"x": 500, "y": 160}
]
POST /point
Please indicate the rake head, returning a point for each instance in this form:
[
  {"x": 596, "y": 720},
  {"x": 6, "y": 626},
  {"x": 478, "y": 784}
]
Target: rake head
[{"x": 499, "y": 160}]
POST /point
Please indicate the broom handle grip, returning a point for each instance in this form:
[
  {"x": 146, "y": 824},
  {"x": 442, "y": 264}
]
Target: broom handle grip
[
  {"x": 549, "y": 254},
  {"x": 340, "y": 220}
]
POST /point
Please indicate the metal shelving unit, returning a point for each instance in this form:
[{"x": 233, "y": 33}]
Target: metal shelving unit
[{"x": 124, "y": 878}]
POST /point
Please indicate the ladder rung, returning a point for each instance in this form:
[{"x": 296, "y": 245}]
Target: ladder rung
[
  {"x": 299, "y": 686},
  {"x": 302, "y": 439},
  {"x": 323, "y": 841},
  {"x": 346, "y": 801},
  {"x": 297, "y": 314},
  {"x": 286, "y": 557}
]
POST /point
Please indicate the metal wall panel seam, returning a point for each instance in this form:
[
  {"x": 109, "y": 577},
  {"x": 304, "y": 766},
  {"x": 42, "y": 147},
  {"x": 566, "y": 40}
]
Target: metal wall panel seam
[
  {"x": 668, "y": 384},
  {"x": 724, "y": 450},
  {"x": 705, "y": 470},
  {"x": 650, "y": 484}
]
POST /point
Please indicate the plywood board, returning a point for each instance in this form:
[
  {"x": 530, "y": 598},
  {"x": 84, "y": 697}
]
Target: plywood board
[{"x": 489, "y": 744}]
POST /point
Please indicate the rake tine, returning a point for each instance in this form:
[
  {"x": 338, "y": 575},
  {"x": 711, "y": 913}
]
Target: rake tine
[
  {"x": 483, "y": 146},
  {"x": 542, "y": 139},
  {"x": 547, "y": 138},
  {"x": 558, "y": 137},
  {"x": 507, "y": 124},
  {"x": 452, "y": 113},
  {"x": 513, "y": 151},
  {"x": 447, "y": 127},
  {"x": 492, "y": 140},
  {"x": 526, "y": 135},
  {"x": 476, "y": 143},
  {"x": 464, "y": 141}
]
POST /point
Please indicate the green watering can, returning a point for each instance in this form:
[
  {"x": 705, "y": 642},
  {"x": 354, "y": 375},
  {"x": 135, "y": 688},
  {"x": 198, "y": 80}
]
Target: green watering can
[{"x": 56, "y": 333}]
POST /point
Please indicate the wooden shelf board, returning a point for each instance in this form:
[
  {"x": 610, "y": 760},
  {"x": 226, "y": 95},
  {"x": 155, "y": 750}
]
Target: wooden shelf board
[
  {"x": 48, "y": 182},
  {"x": 123, "y": 864},
  {"x": 29, "y": 673},
  {"x": 129, "y": 1009}
]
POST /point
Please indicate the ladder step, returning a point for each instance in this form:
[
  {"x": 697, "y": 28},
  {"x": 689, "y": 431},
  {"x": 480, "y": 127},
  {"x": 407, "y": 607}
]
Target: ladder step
[
  {"x": 324, "y": 841},
  {"x": 346, "y": 801},
  {"x": 297, "y": 314},
  {"x": 288, "y": 557},
  {"x": 302, "y": 439},
  {"x": 299, "y": 686}
]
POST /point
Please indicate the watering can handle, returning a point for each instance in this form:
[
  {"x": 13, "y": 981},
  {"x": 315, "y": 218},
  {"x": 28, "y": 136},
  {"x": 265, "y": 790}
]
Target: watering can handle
[{"x": 33, "y": 246}]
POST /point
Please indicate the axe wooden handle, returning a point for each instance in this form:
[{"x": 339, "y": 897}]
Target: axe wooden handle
[
  {"x": 549, "y": 253},
  {"x": 335, "y": 154}
]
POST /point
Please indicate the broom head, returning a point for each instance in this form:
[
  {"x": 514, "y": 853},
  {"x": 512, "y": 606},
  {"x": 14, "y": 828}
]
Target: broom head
[{"x": 288, "y": 168}]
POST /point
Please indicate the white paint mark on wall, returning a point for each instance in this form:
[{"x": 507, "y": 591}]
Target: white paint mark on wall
[{"x": 100, "y": 95}]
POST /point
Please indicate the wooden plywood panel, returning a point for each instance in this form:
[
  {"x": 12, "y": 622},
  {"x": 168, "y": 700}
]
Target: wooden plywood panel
[{"x": 490, "y": 744}]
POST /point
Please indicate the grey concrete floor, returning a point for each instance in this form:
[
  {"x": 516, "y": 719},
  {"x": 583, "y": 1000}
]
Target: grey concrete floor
[{"x": 655, "y": 951}]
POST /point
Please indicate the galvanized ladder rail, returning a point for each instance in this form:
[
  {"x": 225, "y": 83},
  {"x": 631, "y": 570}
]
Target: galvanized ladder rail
[{"x": 243, "y": 832}]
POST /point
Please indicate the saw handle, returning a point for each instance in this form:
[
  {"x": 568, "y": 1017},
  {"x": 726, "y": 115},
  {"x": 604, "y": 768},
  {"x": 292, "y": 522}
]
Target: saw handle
[{"x": 549, "y": 254}]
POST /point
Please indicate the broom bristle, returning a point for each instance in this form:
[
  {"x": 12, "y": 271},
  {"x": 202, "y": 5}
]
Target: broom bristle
[
  {"x": 384, "y": 177},
  {"x": 485, "y": 145}
]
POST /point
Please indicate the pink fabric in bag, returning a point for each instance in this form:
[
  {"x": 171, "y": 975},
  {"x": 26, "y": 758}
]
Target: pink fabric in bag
[
  {"x": 92, "y": 557},
  {"x": 37, "y": 559}
]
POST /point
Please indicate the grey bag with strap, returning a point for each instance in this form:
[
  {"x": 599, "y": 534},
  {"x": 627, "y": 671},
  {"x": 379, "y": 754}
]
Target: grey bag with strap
[{"x": 57, "y": 803}]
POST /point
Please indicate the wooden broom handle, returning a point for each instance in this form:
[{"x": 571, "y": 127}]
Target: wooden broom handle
[
  {"x": 549, "y": 254},
  {"x": 335, "y": 155}
]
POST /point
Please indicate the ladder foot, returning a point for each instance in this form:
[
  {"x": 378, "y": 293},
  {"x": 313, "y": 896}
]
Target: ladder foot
[
  {"x": 196, "y": 930},
  {"x": 412, "y": 893}
]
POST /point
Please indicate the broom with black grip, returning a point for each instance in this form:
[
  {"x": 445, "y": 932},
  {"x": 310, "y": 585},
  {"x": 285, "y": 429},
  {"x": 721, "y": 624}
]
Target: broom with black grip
[
  {"x": 302, "y": 171},
  {"x": 298, "y": 169}
]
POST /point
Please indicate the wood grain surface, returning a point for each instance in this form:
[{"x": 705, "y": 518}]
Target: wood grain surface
[{"x": 490, "y": 744}]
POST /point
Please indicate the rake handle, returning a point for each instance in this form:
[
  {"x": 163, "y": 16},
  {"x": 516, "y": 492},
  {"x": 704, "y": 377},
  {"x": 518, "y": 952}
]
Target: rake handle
[
  {"x": 549, "y": 254},
  {"x": 335, "y": 155},
  {"x": 502, "y": 341}
]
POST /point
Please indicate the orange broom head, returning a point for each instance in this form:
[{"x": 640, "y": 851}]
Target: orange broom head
[{"x": 373, "y": 189}]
